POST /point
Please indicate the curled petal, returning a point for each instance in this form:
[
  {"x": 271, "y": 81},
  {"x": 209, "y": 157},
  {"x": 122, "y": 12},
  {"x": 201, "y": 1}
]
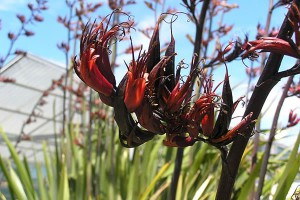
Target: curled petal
[
  {"x": 89, "y": 73},
  {"x": 271, "y": 44},
  {"x": 238, "y": 129},
  {"x": 195, "y": 116},
  {"x": 179, "y": 94},
  {"x": 179, "y": 141},
  {"x": 135, "y": 90},
  {"x": 207, "y": 121}
]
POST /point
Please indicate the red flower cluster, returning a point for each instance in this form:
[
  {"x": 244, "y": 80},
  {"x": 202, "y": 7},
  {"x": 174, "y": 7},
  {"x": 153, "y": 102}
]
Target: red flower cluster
[{"x": 157, "y": 93}]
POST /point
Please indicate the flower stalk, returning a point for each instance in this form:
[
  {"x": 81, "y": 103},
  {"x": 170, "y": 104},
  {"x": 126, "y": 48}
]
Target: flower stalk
[{"x": 263, "y": 87}]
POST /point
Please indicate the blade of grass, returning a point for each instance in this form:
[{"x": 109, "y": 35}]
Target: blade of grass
[
  {"x": 202, "y": 188},
  {"x": 63, "y": 192},
  {"x": 41, "y": 185},
  {"x": 246, "y": 188},
  {"x": 289, "y": 173},
  {"x": 15, "y": 185},
  {"x": 52, "y": 188},
  {"x": 23, "y": 173},
  {"x": 154, "y": 181},
  {"x": 190, "y": 183},
  {"x": 179, "y": 191},
  {"x": 159, "y": 191},
  {"x": 2, "y": 197},
  {"x": 8, "y": 178}
]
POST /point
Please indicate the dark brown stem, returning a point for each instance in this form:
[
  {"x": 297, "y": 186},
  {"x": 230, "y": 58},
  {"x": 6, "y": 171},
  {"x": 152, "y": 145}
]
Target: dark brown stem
[
  {"x": 263, "y": 169},
  {"x": 264, "y": 85},
  {"x": 176, "y": 173},
  {"x": 199, "y": 30},
  {"x": 262, "y": 64}
]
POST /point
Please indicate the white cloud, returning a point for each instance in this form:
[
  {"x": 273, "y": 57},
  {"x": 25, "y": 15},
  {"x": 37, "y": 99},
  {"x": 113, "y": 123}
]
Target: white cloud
[{"x": 8, "y": 5}]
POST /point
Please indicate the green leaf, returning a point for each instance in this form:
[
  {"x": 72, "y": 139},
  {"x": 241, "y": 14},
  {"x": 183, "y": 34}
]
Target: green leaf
[
  {"x": 246, "y": 188},
  {"x": 63, "y": 191},
  {"x": 202, "y": 188},
  {"x": 289, "y": 173},
  {"x": 154, "y": 181},
  {"x": 41, "y": 184},
  {"x": 52, "y": 186},
  {"x": 21, "y": 169},
  {"x": 15, "y": 185},
  {"x": 7, "y": 176},
  {"x": 2, "y": 197},
  {"x": 179, "y": 191}
]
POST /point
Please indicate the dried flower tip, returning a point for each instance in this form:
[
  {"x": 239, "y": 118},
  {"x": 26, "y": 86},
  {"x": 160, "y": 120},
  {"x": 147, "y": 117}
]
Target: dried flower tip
[
  {"x": 20, "y": 52},
  {"x": 29, "y": 33},
  {"x": 11, "y": 36},
  {"x": 21, "y": 18},
  {"x": 293, "y": 119},
  {"x": 30, "y": 6},
  {"x": 38, "y": 18},
  {"x": 7, "y": 80}
]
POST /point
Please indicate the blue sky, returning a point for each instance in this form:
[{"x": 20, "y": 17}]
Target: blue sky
[{"x": 49, "y": 33}]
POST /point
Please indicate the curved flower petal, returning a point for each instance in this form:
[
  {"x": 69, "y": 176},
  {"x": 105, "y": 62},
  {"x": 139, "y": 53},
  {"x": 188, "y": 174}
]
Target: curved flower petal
[
  {"x": 271, "y": 44},
  {"x": 135, "y": 90}
]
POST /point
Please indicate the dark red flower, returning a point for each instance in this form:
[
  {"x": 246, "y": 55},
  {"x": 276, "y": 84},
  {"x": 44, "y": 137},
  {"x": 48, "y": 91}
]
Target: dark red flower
[
  {"x": 136, "y": 82},
  {"x": 158, "y": 94},
  {"x": 94, "y": 67},
  {"x": 293, "y": 119},
  {"x": 271, "y": 44}
]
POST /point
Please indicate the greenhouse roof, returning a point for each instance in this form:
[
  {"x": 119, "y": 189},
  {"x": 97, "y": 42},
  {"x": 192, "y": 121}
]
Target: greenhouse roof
[{"x": 26, "y": 111}]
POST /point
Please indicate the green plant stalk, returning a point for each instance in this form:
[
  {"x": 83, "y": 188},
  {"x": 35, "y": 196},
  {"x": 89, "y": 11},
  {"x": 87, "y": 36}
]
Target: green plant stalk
[
  {"x": 49, "y": 171},
  {"x": 10, "y": 182},
  {"x": 63, "y": 190},
  {"x": 250, "y": 181},
  {"x": 289, "y": 172},
  {"x": 22, "y": 171},
  {"x": 41, "y": 185}
]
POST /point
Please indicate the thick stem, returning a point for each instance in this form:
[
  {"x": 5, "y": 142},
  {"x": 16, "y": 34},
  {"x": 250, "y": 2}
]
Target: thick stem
[
  {"x": 263, "y": 169},
  {"x": 176, "y": 173},
  {"x": 264, "y": 85},
  {"x": 262, "y": 64}
]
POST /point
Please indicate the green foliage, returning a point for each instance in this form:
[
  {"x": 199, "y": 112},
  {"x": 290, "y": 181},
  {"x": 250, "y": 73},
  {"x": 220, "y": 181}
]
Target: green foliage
[
  {"x": 100, "y": 168},
  {"x": 289, "y": 172}
]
